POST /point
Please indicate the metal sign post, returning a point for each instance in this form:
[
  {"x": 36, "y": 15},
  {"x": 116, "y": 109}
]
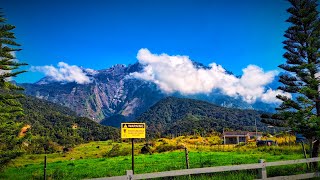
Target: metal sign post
[
  {"x": 132, "y": 165},
  {"x": 132, "y": 131}
]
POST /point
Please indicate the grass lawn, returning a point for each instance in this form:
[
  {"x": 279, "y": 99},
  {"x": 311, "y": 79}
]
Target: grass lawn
[{"x": 89, "y": 161}]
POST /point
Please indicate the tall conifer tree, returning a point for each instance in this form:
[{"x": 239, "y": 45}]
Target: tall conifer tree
[
  {"x": 301, "y": 112},
  {"x": 10, "y": 107}
]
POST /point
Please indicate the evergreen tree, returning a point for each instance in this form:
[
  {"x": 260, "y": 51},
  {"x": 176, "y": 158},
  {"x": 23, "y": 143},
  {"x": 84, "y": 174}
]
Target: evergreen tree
[
  {"x": 301, "y": 112},
  {"x": 10, "y": 108}
]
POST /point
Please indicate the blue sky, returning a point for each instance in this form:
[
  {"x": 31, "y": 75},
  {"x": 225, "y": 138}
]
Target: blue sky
[{"x": 98, "y": 34}]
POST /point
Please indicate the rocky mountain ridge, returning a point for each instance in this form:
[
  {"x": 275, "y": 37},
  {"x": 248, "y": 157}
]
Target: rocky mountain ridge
[{"x": 113, "y": 93}]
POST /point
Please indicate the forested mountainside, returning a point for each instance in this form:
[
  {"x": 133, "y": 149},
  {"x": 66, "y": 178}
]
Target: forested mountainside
[
  {"x": 53, "y": 125},
  {"x": 178, "y": 116}
]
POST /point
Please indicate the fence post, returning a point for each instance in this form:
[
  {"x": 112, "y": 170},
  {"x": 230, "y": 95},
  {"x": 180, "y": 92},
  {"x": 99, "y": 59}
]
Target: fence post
[
  {"x": 45, "y": 168},
  {"x": 187, "y": 157},
  {"x": 262, "y": 173},
  {"x": 129, "y": 174}
]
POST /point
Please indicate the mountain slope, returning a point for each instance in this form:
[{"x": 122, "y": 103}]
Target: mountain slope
[
  {"x": 57, "y": 124},
  {"x": 112, "y": 94},
  {"x": 187, "y": 116}
]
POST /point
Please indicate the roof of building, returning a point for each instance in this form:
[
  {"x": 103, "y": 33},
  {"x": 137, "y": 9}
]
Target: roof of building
[
  {"x": 236, "y": 133},
  {"x": 241, "y": 133}
]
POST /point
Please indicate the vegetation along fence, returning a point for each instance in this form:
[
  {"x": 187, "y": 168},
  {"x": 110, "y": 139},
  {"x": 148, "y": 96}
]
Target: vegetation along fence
[{"x": 261, "y": 166}]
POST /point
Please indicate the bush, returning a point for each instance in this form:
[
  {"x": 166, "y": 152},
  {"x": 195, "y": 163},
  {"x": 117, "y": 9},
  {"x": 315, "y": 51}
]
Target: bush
[
  {"x": 151, "y": 143},
  {"x": 146, "y": 149},
  {"x": 166, "y": 147},
  {"x": 241, "y": 144},
  {"x": 117, "y": 151},
  {"x": 40, "y": 145},
  {"x": 7, "y": 156},
  {"x": 214, "y": 140},
  {"x": 66, "y": 149}
]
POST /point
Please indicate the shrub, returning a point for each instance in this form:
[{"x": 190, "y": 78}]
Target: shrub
[
  {"x": 166, "y": 147},
  {"x": 146, "y": 149},
  {"x": 151, "y": 143},
  {"x": 241, "y": 144},
  {"x": 66, "y": 149},
  {"x": 214, "y": 140},
  {"x": 117, "y": 151}
]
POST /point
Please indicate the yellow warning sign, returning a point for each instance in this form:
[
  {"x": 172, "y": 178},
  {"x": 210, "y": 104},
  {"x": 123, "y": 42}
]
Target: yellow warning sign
[{"x": 133, "y": 130}]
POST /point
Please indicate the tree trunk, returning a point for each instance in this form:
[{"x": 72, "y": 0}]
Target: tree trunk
[
  {"x": 310, "y": 147},
  {"x": 315, "y": 153},
  {"x": 318, "y": 104},
  {"x": 304, "y": 153},
  {"x": 315, "y": 149}
]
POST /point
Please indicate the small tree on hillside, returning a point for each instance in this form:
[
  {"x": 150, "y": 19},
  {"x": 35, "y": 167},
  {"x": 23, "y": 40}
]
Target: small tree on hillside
[
  {"x": 10, "y": 108},
  {"x": 301, "y": 112}
]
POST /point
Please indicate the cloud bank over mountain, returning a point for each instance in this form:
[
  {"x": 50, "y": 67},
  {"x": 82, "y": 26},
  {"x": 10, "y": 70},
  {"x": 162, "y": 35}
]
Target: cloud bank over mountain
[
  {"x": 178, "y": 74},
  {"x": 65, "y": 73}
]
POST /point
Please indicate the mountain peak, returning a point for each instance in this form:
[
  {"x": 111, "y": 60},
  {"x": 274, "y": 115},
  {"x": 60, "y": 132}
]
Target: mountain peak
[{"x": 111, "y": 93}]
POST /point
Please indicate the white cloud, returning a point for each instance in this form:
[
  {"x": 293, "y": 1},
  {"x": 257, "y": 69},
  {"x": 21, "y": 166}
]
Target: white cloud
[
  {"x": 91, "y": 71},
  {"x": 270, "y": 96},
  {"x": 2, "y": 72},
  {"x": 178, "y": 74},
  {"x": 64, "y": 72}
]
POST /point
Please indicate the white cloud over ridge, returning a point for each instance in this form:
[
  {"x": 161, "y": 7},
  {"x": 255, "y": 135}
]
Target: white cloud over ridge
[
  {"x": 65, "y": 73},
  {"x": 178, "y": 74}
]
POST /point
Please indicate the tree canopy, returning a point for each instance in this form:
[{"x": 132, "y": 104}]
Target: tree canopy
[
  {"x": 180, "y": 116},
  {"x": 10, "y": 107},
  {"x": 301, "y": 112}
]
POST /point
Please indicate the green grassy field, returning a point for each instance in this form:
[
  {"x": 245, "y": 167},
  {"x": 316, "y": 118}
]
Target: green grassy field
[{"x": 92, "y": 160}]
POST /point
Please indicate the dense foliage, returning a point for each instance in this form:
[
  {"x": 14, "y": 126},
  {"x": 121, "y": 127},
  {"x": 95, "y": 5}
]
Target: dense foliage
[
  {"x": 180, "y": 116},
  {"x": 9, "y": 106},
  {"x": 114, "y": 121},
  {"x": 302, "y": 45},
  {"x": 54, "y": 125}
]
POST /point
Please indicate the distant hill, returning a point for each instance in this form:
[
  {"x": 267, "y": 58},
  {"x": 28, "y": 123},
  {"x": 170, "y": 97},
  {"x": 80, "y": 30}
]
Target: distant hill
[
  {"x": 178, "y": 116},
  {"x": 57, "y": 124}
]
